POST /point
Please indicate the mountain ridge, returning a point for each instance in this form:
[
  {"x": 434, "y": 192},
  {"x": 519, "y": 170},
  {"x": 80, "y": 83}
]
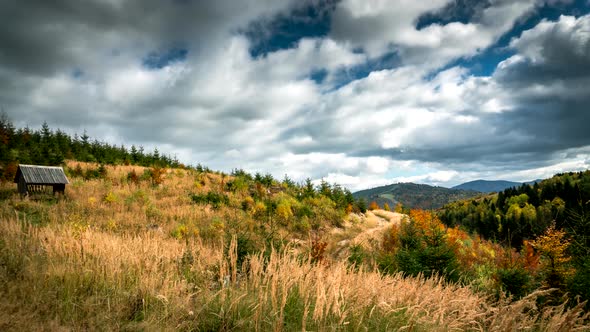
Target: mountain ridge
[
  {"x": 413, "y": 195},
  {"x": 489, "y": 186}
]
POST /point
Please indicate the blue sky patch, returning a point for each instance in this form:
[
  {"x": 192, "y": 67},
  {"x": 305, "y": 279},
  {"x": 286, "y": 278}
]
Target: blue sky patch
[
  {"x": 155, "y": 60},
  {"x": 319, "y": 75},
  {"x": 386, "y": 61},
  {"x": 285, "y": 31},
  {"x": 77, "y": 73}
]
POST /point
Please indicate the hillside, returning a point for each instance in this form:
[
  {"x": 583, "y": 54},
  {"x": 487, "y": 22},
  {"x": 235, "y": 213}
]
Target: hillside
[
  {"x": 486, "y": 186},
  {"x": 139, "y": 248},
  {"x": 413, "y": 196}
]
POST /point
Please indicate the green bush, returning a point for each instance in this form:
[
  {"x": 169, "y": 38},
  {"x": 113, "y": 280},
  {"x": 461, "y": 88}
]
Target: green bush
[
  {"x": 216, "y": 200},
  {"x": 579, "y": 284},
  {"x": 515, "y": 281},
  {"x": 357, "y": 255},
  {"x": 421, "y": 252}
]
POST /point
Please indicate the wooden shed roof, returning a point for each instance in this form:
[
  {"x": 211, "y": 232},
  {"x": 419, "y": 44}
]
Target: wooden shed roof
[{"x": 34, "y": 174}]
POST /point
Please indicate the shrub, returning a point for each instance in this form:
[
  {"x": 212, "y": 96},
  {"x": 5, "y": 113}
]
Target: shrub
[
  {"x": 318, "y": 250},
  {"x": 91, "y": 174},
  {"x": 356, "y": 256},
  {"x": 147, "y": 175},
  {"x": 248, "y": 205},
  {"x": 216, "y": 200},
  {"x": 9, "y": 172},
  {"x": 110, "y": 198},
  {"x": 77, "y": 171},
  {"x": 245, "y": 246},
  {"x": 133, "y": 177},
  {"x": 373, "y": 206},
  {"x": 102, "y": 171},
  {"x": 157, "y": 175},
  {"x": 515, "y": 281},
  {"x": 419, "y": 247},
  {"x": 361, "y": 205}
]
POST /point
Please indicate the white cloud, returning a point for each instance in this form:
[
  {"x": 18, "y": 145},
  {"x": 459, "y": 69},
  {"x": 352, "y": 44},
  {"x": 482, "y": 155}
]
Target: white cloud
[{"x": 378, "y": 27}]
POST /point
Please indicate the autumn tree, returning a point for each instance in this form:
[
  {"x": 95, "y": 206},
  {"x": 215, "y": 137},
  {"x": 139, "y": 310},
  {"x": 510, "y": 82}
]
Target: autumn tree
[
  {"x": 157, "y": 175},
  {"x": 552, "y": 246},
  {"x": 373, "y": 206},
  {"x": 386, "y": 207}
]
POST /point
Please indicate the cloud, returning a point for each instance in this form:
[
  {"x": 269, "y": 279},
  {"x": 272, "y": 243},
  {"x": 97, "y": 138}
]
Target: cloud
[
  {"x": 41, "y": 38},
  {"x": 378, "y": 28},
  {"x": 458, "y": 120},
  {"x": 550, "y": 51},
  {"x": 392, "y": 103}
]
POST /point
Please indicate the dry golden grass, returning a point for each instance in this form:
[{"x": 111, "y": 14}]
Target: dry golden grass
[
  {"x": 88, "y": 278},
  {"x": 88, "y": 263}
]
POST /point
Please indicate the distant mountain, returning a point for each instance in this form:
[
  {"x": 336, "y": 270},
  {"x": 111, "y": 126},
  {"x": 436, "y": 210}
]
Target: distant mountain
[
  {"x": 413, "y": 195},
  {"x": 533, "y": 181},
  {"x": 485, "y": 186}
]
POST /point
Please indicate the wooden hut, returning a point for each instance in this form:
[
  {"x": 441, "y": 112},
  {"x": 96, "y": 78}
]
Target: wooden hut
[{"x": 36, "y": 179}]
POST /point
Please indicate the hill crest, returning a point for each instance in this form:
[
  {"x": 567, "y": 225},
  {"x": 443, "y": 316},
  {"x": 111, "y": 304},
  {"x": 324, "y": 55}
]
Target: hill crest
[
  {"x": 487, "y": 186},
  {"x": 413, "y": 195}
]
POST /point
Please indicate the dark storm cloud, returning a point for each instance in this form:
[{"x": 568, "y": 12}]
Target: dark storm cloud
[
  {"x": 32, "y": 32},
  {"x": 551, "y": 51},
  {"x": 548, "y": 83},
  {"x": 463, "y": 11},
  {"x": 41, "y": 37}
]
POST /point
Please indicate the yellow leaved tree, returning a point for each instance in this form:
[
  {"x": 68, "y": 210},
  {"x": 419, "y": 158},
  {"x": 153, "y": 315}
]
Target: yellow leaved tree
[{"x": 552, "y": 246}]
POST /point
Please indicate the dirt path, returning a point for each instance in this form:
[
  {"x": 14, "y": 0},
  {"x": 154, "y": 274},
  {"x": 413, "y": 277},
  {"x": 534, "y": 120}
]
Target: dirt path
[{"x": 366, "y": 231}]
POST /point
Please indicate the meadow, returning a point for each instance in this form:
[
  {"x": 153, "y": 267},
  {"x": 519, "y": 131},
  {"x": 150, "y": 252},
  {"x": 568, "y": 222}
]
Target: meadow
[{"x": 122, "y": 252}]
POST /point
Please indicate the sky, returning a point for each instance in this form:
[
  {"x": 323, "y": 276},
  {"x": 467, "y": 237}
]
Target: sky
[{"x": 357, "y": 92}]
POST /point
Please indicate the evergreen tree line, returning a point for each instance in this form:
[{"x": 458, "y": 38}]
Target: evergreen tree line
[
  {"x": 51, "y": 147},
  {"x": 261, "y": 184}
]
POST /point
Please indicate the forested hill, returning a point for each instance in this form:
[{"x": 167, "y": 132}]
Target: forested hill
[
  {"x": 518, "y": 214},
  {"x": 414, "y": 196},
  {"x": 523, "y": 212},
  {"x": 486, "y": 186}
]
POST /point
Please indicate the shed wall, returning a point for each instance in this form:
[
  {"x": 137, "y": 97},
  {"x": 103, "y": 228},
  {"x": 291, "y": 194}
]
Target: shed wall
[{"x": 22, "y": 186}]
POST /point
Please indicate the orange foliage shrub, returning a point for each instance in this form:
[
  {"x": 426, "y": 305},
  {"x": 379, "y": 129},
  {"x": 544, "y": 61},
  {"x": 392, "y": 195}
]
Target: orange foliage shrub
[
  {"x": 391, "y": 239},
  {"x": 133, "y": 177},
  {"x": 349, "y": 209},
  {"x": 427, "y": 222},
  {"x": 157, "y": 175},
  {"x": 318, "y": 250},
  {"x": 9, "y": 172},
  {"x": 373, "y": 206}
]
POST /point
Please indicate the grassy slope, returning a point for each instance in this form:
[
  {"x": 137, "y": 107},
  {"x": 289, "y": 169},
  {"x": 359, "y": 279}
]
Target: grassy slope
[{"x": 108, "y": 257}]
